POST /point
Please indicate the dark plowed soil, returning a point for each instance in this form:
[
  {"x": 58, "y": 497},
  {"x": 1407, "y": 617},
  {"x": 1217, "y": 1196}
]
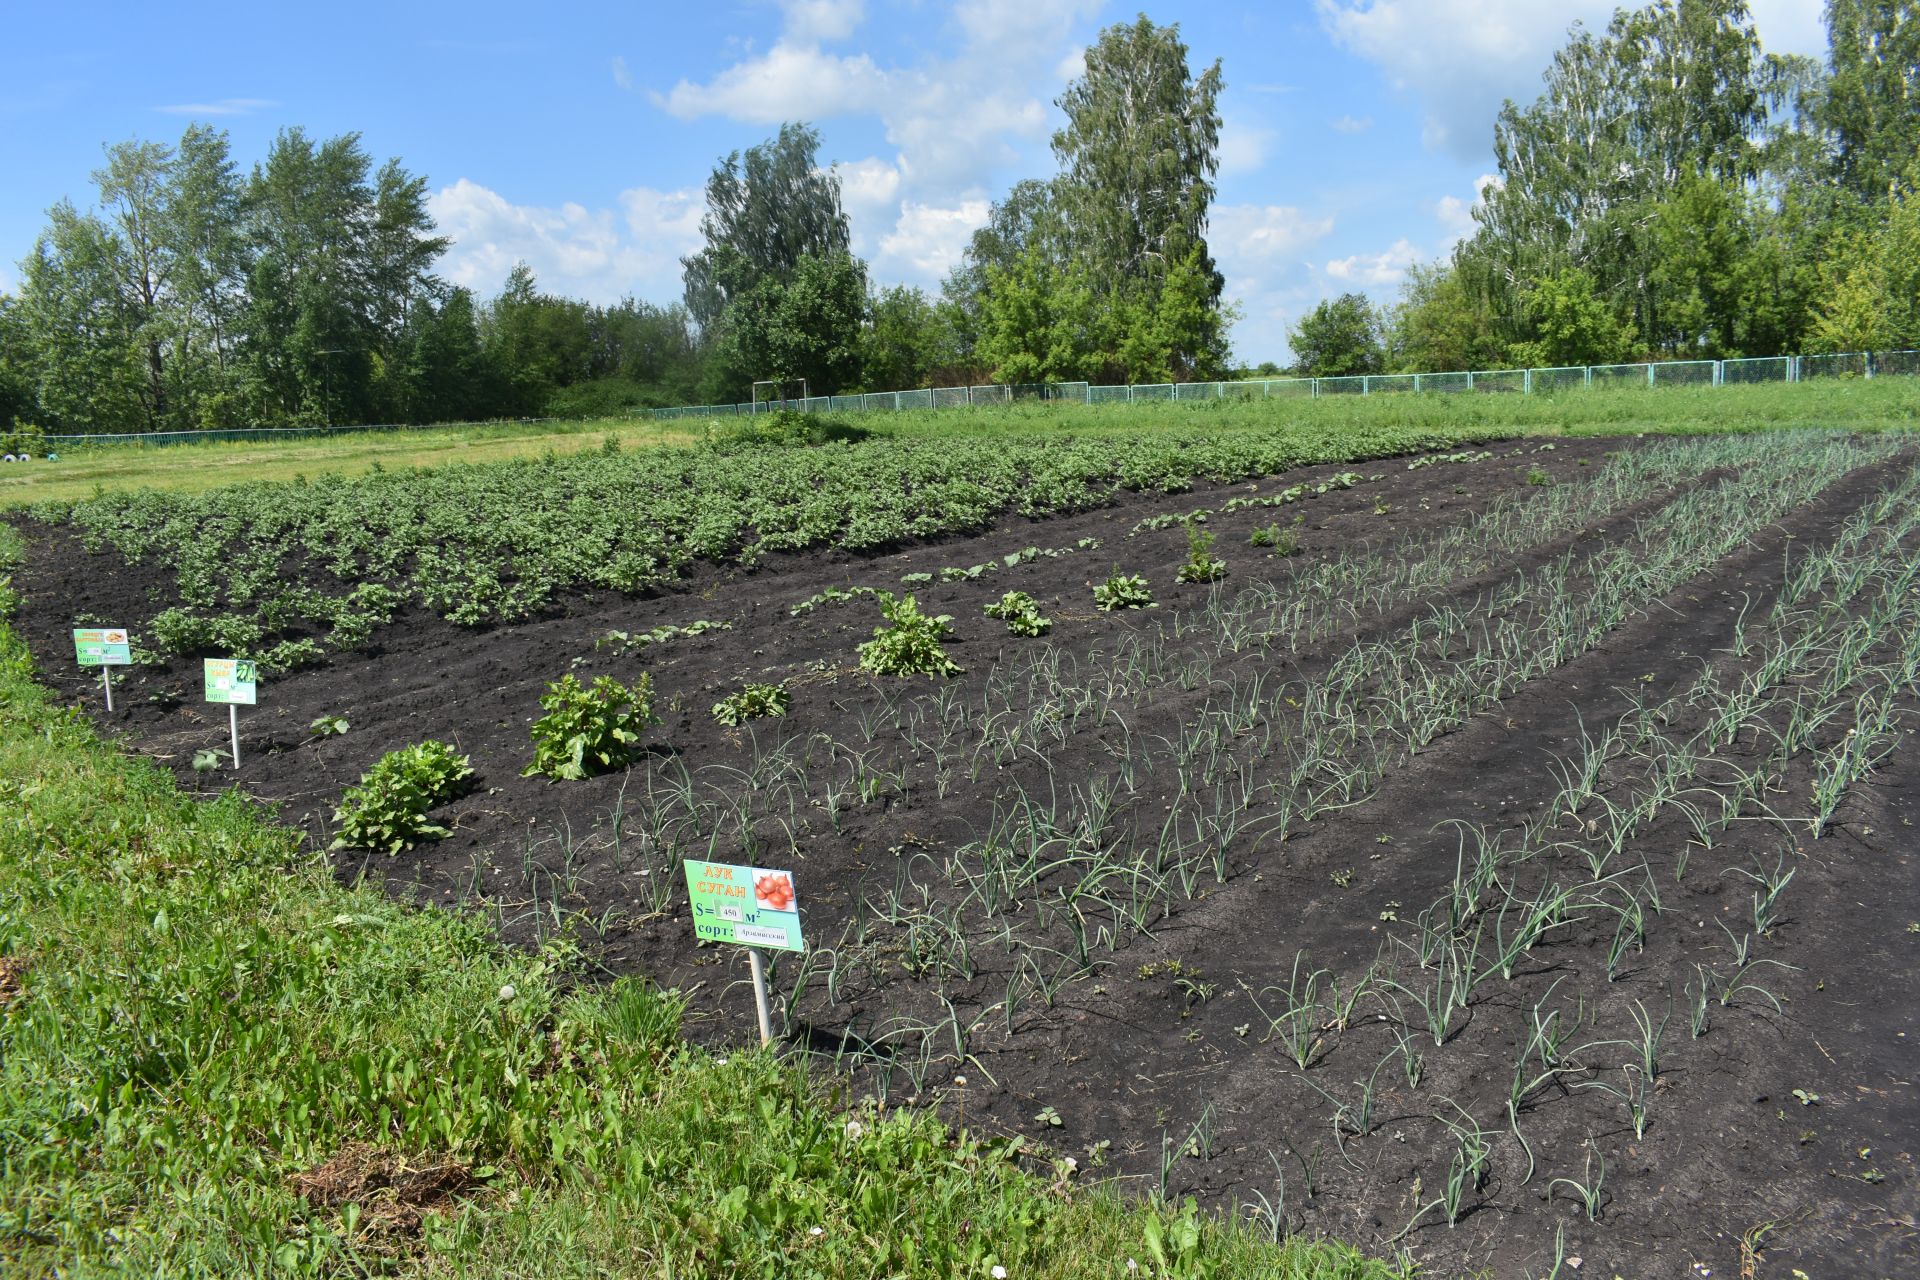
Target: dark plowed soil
[{"x": 1737, "y": 1173}]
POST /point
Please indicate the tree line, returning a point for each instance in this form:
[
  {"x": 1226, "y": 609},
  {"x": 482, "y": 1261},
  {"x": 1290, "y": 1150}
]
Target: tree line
[{"x": 1674, "y": 192}]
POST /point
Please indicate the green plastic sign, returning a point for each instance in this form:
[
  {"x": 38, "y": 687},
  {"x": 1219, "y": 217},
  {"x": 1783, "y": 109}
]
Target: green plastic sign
[
  {"x": 102, "y": 647},
  {"x": 233, "y": 680},
  {"x": 747, "y": 906}
]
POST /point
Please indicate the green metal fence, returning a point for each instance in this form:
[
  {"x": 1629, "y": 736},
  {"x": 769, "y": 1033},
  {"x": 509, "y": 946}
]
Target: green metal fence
[{"x": 1663, "y": 373}]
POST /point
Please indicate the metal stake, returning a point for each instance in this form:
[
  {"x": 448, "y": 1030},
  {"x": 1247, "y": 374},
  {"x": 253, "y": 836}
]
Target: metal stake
[
  {"x": 760, "y": 994},
  {"x": 233, "y": 723},
  {"x": 106, "y": 682}
]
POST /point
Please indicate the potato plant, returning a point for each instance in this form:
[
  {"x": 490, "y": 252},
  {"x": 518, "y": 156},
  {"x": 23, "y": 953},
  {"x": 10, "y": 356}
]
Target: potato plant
[
  {"x": 752, "y": 703},
  {"x": 909, "y": 644},
  {"x": 590, "y": 730},
  {"x": 1021, "y": 613},
  {"x": 387, "y": 810},
  {"x": 1123, "y": 591}
]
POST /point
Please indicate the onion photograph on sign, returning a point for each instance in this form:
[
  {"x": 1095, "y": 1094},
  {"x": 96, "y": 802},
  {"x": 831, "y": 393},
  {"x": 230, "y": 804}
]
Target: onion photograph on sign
[{"x": 747, "y": 906}]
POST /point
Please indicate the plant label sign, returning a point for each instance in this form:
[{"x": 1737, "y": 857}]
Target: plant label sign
[
  {"x": 748, "y": 906},
  {"x": 102, "y": 647},
  {"x": 233, "y": 680}
]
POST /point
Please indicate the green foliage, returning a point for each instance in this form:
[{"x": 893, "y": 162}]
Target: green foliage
[
  {"x": 1574, "y": 325},
  {"x": 1021, "y": 613},
  {"x": 783, "y": 428},
  {"x": 1202, "y": 565},
  {"x": 184, "y": 633},
  {"x": 592, "y": 730},
  {"x": 1123, "y": 591},
  {"x": 387, "y": 811},
  {"x": 328, "y": 726},
  {"x": 23, "y": 437},
  {"x": 1280, "y": 539},
  {"x": 1339, "y": 338},
  {"x": 752, "y": 702},
  {"x": 909, "y": 643}
]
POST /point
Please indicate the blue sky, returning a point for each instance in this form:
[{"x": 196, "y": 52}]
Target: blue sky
[{"x": 577, "y": 137}]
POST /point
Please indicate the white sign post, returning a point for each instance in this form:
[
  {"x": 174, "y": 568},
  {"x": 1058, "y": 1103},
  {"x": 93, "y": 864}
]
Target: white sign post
[{"x": 236, "y": 682}]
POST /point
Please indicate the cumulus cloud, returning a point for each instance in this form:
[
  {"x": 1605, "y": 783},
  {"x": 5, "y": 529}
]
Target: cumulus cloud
[
  {"x": 1260, "y": 250},
  {"x": 1352, "y": 124},
  {"x": 928, "y": 240},
  {"x": 1376, "y": 270},
  {"x": 220, "y": 107},
  {"x": 1244, "y": 234},
  {"x": 1463, "y": 58},
  {"x": 788, "y": 82},
  {"x": 621, "y": 76},
  {"x": 7, "y": 282},
  {"x": 598, "y": 254},
  {"x": 1457, "y": 216}
]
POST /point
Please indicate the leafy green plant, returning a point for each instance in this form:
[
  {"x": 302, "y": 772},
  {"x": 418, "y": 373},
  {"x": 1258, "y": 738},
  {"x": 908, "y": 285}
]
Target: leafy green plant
[
  {"x": 387, "y": 811},
  {"x": 590, "y": 730},
  {"x": 909, "y": 645},
  {"x": 751, "y": 703},
  {"x": 1123, "y": 591},
  {"x": 1202, "y": 565},
  {"x": 1281, "y": 540},
  {"x": 1537, "y": 476},
  {"x": 328, "y": 726},
  {"x": 1021, "y": 613}
]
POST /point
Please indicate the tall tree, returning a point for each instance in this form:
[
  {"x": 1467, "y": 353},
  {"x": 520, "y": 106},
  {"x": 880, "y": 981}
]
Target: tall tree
[
  {"x": 1870, "y": 106},
  {"x": 1676, "y": 90},
  {"x": 767, "y": 209},
  {"x": 1138, "y": 156}
]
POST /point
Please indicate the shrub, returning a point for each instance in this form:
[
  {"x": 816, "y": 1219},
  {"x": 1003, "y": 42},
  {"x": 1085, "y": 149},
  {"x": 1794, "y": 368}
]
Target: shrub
[
  {"x": 387, "y": 811},
  {"x": 24, "y": 438},
  {"x": 1021, "y": 613},
  {"x": 783, "y": 428},
  {"x": 1201, "y": 565},
  {"x": 751, "y": 703},
  {"x": 909, "y": 645},
  {"x": 1123, "y": 591},
  {"x": 590, "y": 730}
]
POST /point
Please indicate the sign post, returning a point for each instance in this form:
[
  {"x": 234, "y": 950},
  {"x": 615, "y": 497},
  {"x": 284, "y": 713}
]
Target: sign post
[
  {"x": 236, "y": 682},
  {"x": 750, "y": 907},
  {"x": 103, "y": 647}
]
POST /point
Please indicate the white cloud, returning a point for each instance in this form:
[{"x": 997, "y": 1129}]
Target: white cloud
[
  {"x": 928, "y": 240},
  {"x": 788, "y": 82},
  {"x": 1259, "y": 249},
  {"x": 621, "y": 76},
  {"x": 220, "y": 107},
  {"x": 1456, "y": 215},
  {"x": 597, "y": 254},
  {"x": 815, "y": 20},
  {"x": 954, "y": 117},
  {"x": 1352, "y": 124},
  {"x": 1244, "y": 234},
  {"x": 1376, "y": 270},
  {"x": 7, "y": 283},
  {"x": 1463, "y": 58}
]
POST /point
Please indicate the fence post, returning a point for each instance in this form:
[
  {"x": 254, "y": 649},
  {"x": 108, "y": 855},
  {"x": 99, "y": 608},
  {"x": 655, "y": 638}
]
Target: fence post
[
  {"x": 1416, "y": 384},
  {"x": 1649, "y": 373},
  {"x": 1469, "y": 379},
  {"x": 1365, "y": 382},
  {"x": 1716, "y": 372},
  {"x": 1589, "y": 370},
  {"x": 1526, "y": 382}
]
